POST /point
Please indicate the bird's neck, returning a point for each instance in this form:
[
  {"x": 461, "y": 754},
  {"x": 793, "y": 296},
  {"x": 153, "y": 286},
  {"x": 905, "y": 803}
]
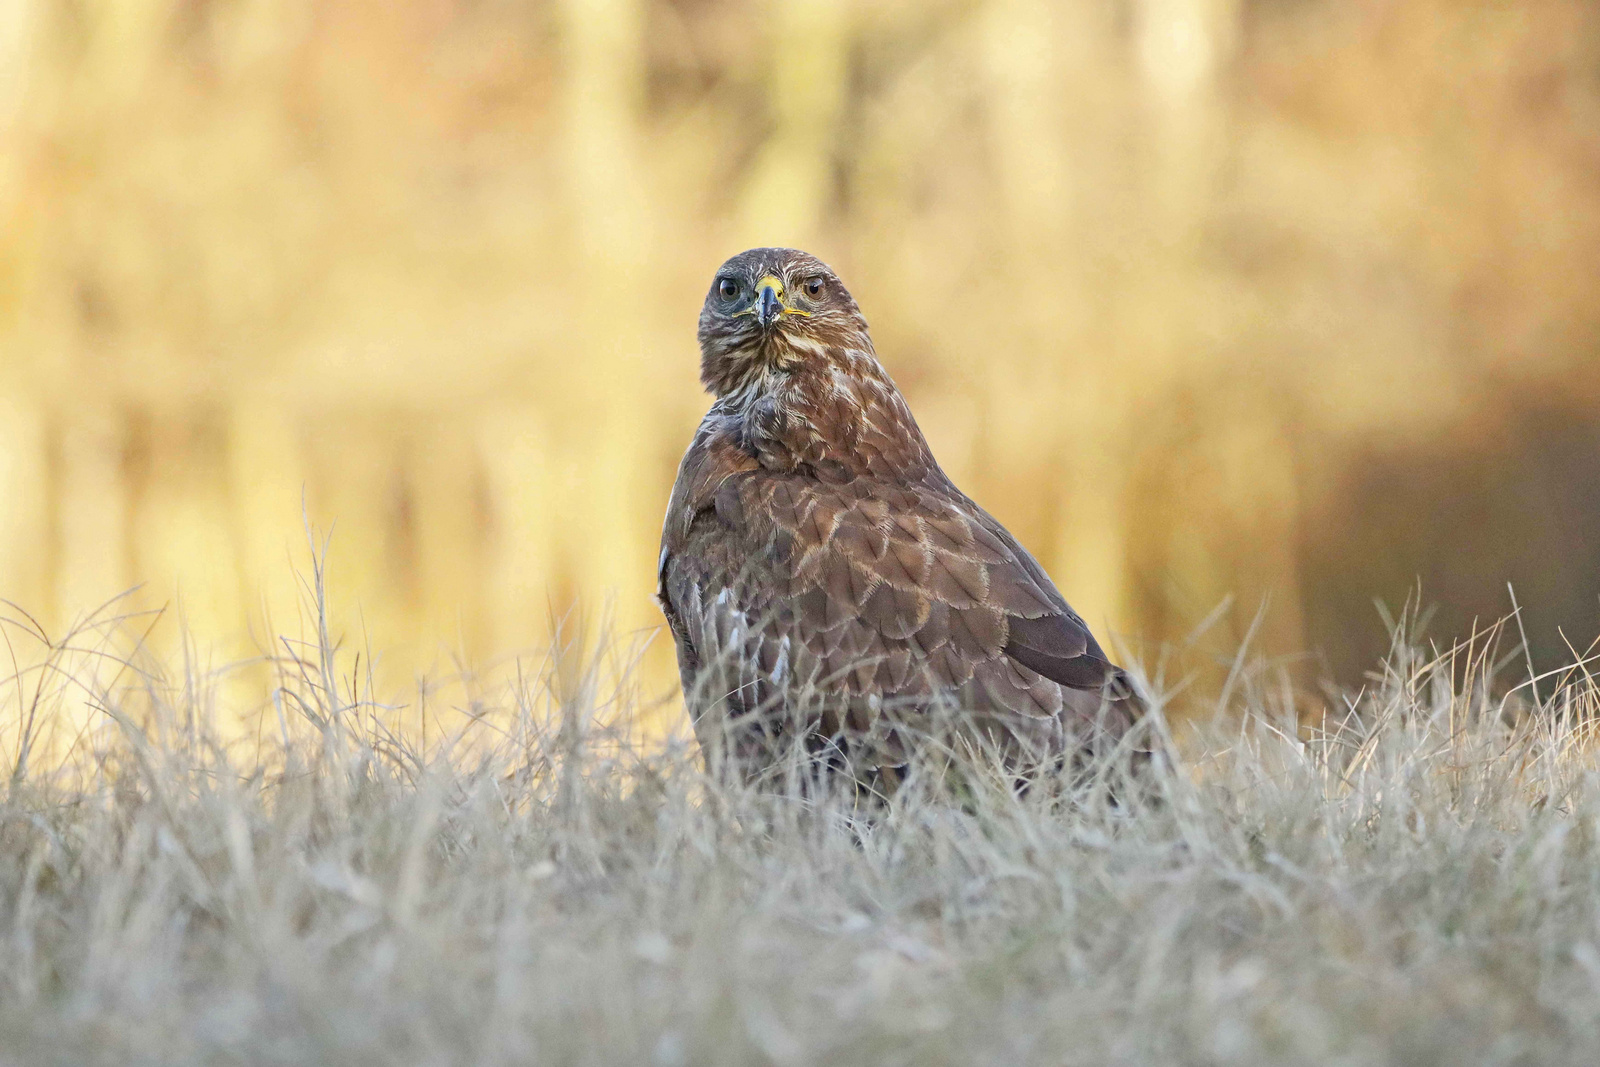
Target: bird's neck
[{"x": 835, "y": 415}]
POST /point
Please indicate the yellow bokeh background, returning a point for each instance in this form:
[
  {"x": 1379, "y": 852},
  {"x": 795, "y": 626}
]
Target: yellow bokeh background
[{"x": 1184, "y": 291}]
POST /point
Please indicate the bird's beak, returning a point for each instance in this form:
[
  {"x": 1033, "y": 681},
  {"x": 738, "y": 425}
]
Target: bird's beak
[{"x": 769, "y": 300}]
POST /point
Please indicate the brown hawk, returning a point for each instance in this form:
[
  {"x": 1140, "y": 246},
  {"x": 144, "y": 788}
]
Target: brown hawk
[{"x": 824, "y": 580}]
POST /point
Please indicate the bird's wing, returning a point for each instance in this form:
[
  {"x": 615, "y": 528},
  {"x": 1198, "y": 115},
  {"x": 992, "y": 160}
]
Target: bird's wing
[
  {"x": 699, "y": 564},
  {"x": 898, "y": 591}
]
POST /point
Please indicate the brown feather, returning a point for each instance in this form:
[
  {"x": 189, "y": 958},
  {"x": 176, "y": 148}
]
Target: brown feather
[{"x": 816, "y": 560}]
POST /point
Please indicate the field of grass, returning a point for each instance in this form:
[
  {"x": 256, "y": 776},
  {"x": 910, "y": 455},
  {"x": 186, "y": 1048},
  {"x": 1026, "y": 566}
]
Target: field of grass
[{"x": 537, "y": 884}]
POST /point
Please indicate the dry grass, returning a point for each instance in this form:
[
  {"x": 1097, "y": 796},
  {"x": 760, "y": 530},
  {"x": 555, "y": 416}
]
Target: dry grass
[
  {"x": 535, "y": 885},
  {"x": 1180, "y": 289}
]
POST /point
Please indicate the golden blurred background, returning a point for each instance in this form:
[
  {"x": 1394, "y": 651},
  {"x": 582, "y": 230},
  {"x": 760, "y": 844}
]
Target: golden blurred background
[{"x": 1294, "y": 300}]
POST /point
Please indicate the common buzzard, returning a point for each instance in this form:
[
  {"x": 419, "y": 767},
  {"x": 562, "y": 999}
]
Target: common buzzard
[{"x": 826, "y": 583}]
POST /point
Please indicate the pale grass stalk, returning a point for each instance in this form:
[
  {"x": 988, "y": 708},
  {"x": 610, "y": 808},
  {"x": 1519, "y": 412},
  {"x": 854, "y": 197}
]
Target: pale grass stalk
[{"x": 1415, "y": 881}]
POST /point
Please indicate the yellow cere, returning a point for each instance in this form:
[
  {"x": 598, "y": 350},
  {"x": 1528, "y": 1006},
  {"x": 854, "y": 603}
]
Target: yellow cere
[{"x": 777, "y": 287}]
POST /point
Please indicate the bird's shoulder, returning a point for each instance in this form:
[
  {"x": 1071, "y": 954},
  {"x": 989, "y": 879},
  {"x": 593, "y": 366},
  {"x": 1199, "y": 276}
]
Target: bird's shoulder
[{"x": 713, "y": 457}]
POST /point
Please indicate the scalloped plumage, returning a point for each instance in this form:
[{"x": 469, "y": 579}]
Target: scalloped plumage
[{"x": 821, "y": 574}]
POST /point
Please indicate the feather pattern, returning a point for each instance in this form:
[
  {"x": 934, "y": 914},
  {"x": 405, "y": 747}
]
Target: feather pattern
[{"x": 820, "y": 573}]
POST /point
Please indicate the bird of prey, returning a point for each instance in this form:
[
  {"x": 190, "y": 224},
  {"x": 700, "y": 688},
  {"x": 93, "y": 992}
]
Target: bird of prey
[{"x": 824, "y": 580}]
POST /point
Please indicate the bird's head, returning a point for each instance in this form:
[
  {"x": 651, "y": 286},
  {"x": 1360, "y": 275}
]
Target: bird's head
[{"x": 768, "y": 312}]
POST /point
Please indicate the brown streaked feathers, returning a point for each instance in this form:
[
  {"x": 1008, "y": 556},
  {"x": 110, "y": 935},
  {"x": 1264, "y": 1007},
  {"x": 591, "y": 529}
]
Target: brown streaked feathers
[{"x": 821, "y": 574}]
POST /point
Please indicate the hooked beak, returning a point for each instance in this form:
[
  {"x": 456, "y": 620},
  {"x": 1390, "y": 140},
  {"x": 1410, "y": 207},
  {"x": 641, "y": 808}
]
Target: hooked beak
[{"x": 769, "y": 300}]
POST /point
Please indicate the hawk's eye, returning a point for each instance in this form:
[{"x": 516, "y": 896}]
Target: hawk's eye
[
  {"x": 728, "y": 289},
  {"x": 813, "y": 287}
]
